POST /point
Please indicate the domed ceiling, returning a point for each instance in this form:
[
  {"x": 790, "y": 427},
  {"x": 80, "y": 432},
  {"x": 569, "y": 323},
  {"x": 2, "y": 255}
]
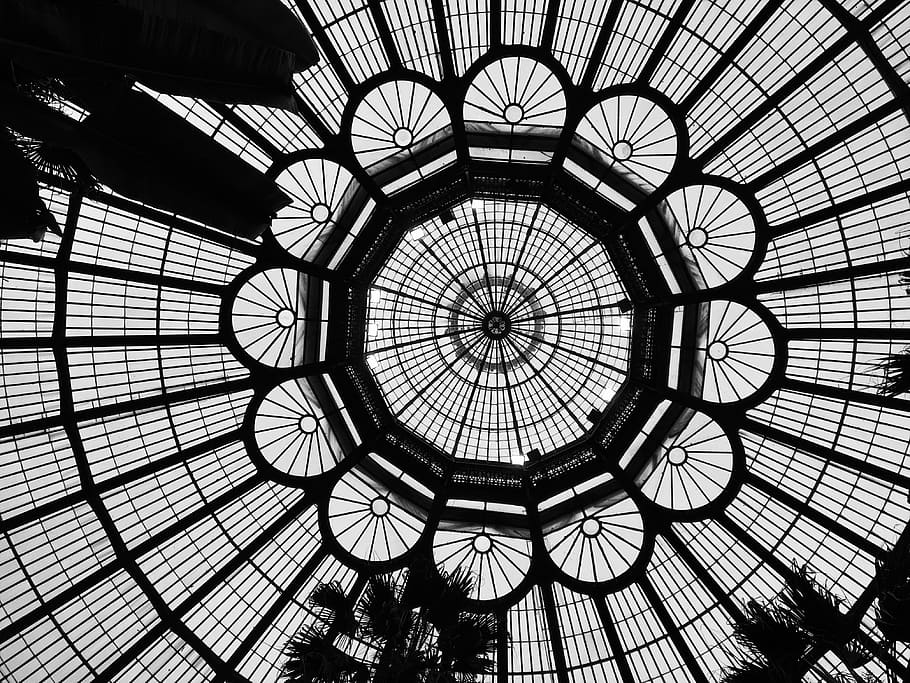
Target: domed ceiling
[{"x": 589, "y": 298}]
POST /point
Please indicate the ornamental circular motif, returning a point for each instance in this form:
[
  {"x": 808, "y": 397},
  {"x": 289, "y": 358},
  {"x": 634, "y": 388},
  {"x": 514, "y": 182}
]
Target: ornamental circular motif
[
  {"x": 513, "y": 113},
  {"x": 500, "y": 557},
  {"x": 505, "y": 340},
  {"x": 483, "y": 544},
  {"x": 295, "y": 434},
  {"x": 268, "y": 317}
]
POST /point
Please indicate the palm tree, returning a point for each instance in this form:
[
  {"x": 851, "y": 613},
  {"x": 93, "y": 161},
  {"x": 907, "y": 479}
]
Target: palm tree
[
  {"x": 464, "y": 648},
  {"x": 892, "y": 592},
  {"x": 144, "y": 151},
  {"x": 420, "y": 629},
  {"x": 240, "y": 51},
  {"x": 91, "y": 53},
  {"x": 776, "y": 638},
  {"x": 897, "y": 373},
  {"x": 58, "y": 161},
  {"x": 311, "y": 656},
  {"x": 772, "y": 643},
  {"x": 25, "y": 215},
  {"x": 389, "y": 622},
  {"x": 816, "y": 611}
]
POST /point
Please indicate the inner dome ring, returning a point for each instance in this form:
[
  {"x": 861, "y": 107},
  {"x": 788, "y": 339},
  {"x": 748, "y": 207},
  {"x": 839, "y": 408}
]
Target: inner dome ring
[{"x": 558, "y": 353}]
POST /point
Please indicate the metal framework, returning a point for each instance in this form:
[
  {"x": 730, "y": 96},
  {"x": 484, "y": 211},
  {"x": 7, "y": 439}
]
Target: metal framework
[{"x": 193, "y": 435}]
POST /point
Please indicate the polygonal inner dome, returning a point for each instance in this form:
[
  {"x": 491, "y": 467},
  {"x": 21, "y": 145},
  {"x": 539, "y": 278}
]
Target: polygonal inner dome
[{"x": 494, "y": 330}]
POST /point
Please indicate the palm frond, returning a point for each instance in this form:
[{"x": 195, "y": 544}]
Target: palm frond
[
  {"x": 423, "y": 579},
  {"x": 754, "y": 671},
  {"x": 25, "y": 213},
  {"x": 896, "y": 367},
  {"x": 892, "y": 616},
  {"x": 382, "y": 616},
  {"x": 892, "y": 585},
  {"x": 331, "y": 598},
  {"x": 310, "y": 658},
  {"x": 894, "y": 568},
  {"x": 446, "y": 601},
  {"x": 771, "y": 635},
  {"x": 58, "y": 161},
  {"x": 41, "y": 89},
  {"x": 408, "y": 667},
  {"x": 816, "y": 609},
  {"x": 467, "y": 645}
]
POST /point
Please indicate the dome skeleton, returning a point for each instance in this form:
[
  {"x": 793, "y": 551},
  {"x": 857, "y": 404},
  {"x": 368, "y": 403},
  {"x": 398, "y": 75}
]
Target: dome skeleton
[{"x": 198, "y": 267}]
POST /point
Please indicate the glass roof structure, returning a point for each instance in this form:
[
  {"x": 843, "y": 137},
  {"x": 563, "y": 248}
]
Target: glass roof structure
[{"x": 588, "y": 297}]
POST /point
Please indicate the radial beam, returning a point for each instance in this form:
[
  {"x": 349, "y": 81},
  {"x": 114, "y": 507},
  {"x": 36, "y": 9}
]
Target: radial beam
[
  {"x": 385, "y": 33},
  {"x": 848, "y": 333},
  {"x": 325, "y": 44},
  {"x": 274, "y": 610},
  {"x": 789, "y": 576},
  {"x": 822, "y": 277},
  {"x": 132, "y": 405},
  {"x": 105, "y": 341},
  {"x": 549, "y": 24},
  {"x": 861, "y": 30},
  {"x": 600, "y": 45},
  {"x": 666, "y": 39},
  {"x": 672, "y": 629},
  {"x": 51, "y": 605},
  {"x": 442, "y": 39},
  {"x": 719, "y": 593},
  {"x": 252, "y": 133},
  {"x": 616, "y": 646},
  {"x": 114, "y": 273},
  {"x": 143, "y": 211},
  {"x": 859, "y": 201},
  {"x": 309, "y": 115},
  {"x": 502, "y": 647},
  {"x": 864, "y": 467},
  {"x": 775, "y": 99},
  {"x": 821, "y": 519},
  {"x": 555, "y": 633},
  {"x": 495, "y": 23},
  {"x": 120, "y": 480},
  {"x": 730, "y": 54},
  {"x": 847, "y": 395},
  {"x": 824, "y": 145}
]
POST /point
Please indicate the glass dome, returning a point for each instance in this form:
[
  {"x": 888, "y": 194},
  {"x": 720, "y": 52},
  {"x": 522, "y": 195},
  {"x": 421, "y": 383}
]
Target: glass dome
[
  {"x": 587, "y": 297},
  {"x": 473, "y": 323}
]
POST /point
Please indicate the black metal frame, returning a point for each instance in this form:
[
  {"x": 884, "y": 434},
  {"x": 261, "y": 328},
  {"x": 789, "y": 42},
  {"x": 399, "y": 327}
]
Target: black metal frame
[{"x": 733, "y": 417}]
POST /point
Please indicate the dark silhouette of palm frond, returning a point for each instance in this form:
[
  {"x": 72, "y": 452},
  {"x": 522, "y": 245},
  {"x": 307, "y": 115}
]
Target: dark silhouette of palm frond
[
  {"x": 310, "y": 657},
  {"x": 465, "y": 646},
  {"x": 816, "y": 610},
  {"x": 893, "y": 613},
  {"x": 42, "y": 89},
  {"x": 892, "y": 582},
  {"x": 444, "y": 598},
  {"x": 58, "y": 161},
  {"x": 25, "y": 213},
  {"x": 338, "y": 608},
  {"x": 769, "y": 634},
  {"x": 420, "y": 628},
  {"x": 896, "y": 367},
  {"x": 382, "y": 616},
  {"x": 754, "y": 672}
]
